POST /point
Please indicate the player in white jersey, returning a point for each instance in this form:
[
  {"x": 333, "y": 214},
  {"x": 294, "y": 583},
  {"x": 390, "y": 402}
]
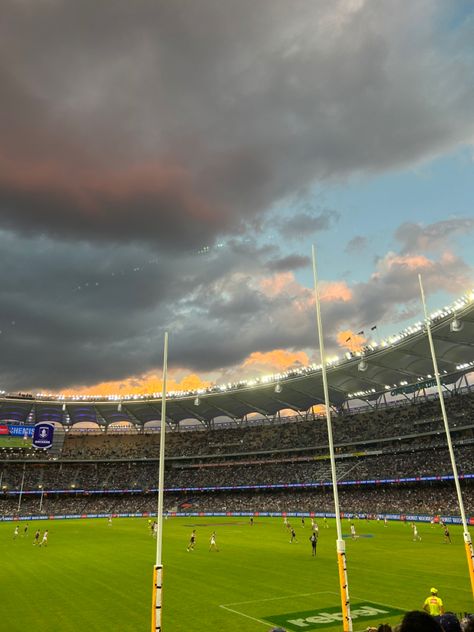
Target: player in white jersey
[
  {"x": 44, "y": 541},
  {"x": 212, "y": 542},
  {"x": 353, "y": 531},
  {"x": 416, "y": 535}
]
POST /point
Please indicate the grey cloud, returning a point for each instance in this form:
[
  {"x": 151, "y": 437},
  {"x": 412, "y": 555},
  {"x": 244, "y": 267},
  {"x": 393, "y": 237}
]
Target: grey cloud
[
  {"x": 304, "y": 223},
  {"x": 127, "y": 148},
  {"x": 84, "y": 313},
  {"x": 186, "y": 120},
  {"x": 217, "y": 309},
  {"x": 356, "y": 244},
  {"x": 288, "y": 263},
  {"x": 432, "y": 237}
]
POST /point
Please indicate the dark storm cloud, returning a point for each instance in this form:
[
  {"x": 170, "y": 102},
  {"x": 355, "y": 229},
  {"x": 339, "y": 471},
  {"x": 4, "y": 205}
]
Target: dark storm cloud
[
  {"x": 176, "y": 122},
  {"x": 134, "y": 135},
  {"x": 79, "y": 313},
  {"x": 102, "y": 314}
]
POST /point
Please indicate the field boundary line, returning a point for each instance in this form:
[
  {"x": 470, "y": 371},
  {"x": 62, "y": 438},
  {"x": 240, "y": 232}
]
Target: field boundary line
[
  {"x": 321, "y": 592},
  {"x": 265, "y": 623},
  {"x": 390, "y": 605}
]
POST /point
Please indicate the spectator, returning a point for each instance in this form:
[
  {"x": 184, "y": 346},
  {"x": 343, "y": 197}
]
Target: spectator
[
  {"x": 417, "y": 621},
  {"x": 450, "y": 622}
]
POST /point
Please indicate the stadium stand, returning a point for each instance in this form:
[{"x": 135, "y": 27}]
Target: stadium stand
[{"x": 387, "y": 444}]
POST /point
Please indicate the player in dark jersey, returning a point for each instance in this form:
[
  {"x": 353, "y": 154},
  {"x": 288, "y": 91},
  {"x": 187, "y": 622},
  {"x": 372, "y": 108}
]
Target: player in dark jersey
[
  {"x": 293, "y": 536},
  {"x": 37, "y": 535},
  {"x": 314, "y": 541},
  {"x": 192, "y": 541},
  {"x": 447, "y": 537}
]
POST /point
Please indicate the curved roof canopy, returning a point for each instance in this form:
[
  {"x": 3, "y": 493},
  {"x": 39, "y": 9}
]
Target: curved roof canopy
[{"x": 401, "y": 365}]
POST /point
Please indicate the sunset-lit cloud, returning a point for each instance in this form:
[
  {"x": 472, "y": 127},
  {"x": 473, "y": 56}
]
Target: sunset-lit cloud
[
  {"x": 142, "y": 384},
  {"x": 286, "y": 283},
  {"x": 348, "y": 339},
  {"x": 277, "y": 360},
  {"x": 334, "y": 291},
  {"x": 282, "y": 283}
]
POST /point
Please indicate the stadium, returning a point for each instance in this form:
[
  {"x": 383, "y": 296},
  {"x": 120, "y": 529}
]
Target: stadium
[
  {"x": 230, "y": 399},
  {"x": 246, "y": 456}
]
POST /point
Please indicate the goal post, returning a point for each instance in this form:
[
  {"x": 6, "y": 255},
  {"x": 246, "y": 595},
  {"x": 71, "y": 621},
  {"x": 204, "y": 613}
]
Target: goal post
[{"x": 157, "y": 599}]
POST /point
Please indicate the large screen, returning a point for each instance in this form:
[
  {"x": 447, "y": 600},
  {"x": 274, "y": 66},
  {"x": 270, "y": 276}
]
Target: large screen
[{"x": 15, "y": 436}]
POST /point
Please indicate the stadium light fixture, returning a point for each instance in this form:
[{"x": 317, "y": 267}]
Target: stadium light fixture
[
  {"x": 456, "y": 325},
  {"x": 197, "y": 401},
  {"x": 362, "y": 366},
  {"x": 278, "y": 388},
  {"x": 119, "y": 407}
]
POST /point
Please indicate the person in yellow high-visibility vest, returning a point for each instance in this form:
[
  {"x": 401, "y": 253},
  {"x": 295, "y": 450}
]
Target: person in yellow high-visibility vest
[{"x": 433, "y": 604}]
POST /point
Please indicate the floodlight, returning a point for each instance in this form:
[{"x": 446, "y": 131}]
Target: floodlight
[
  {"x": 119, "y": 407},
  {"x": 197, "y": 401},
  {"x": 456, "y": 325},
  {"x": 278, "y": 388},
  {"x": 362, "y": 366}
]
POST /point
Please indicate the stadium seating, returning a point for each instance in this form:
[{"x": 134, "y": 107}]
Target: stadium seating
[{"x": 371, "y": 446}]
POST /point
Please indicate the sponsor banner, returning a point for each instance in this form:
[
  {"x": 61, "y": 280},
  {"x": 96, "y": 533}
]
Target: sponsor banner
[
  {"x": 21, "y": 431},
  {"x": 43, "y": 435},
  {"x": 4, "y": 429},
  {"x": 331, "y": 617},
  {"x": 241, "y": 514}
]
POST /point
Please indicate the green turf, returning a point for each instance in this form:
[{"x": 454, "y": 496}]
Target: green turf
[
  {"x": 94, "y": 577},
  {"x": 14, "y": 442}
]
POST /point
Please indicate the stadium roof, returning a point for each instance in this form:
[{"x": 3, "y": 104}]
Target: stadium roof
[{"x": 400, "y": 365}]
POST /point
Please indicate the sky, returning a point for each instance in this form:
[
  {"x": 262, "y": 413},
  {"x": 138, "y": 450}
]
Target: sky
[{"x": 167, "y": 166}]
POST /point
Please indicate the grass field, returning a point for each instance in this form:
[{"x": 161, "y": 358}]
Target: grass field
[
  {"x": 95, "y": 577},
  {"x": 14, "y": 442}
]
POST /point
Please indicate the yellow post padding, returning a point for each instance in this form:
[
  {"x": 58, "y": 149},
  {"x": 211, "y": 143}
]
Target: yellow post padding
[
  {"x": 347, "y": 621},
  {"x": 470, "y": 562}
]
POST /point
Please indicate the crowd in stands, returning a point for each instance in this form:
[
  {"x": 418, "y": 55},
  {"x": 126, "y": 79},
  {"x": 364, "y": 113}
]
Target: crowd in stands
[
  {"x": 389, "y": 443},
  {"x": 385, "y": 423},
  {"x": 143, "y": 474},
  {"x": 430, "y": 499}
]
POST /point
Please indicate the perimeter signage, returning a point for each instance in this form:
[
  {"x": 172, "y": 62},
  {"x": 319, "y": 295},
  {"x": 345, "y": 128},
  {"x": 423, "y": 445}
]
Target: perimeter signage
[
  {"x": 43, "y": 435},
  {"x": 330, "y": 617}
]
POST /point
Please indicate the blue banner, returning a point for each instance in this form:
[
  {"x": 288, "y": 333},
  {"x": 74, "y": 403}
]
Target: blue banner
[
  {"x": 43, "y": 435},
  {"x": 20, "y": 431}
]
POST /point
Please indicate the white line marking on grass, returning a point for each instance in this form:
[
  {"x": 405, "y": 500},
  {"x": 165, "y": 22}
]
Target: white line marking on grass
[
  {"x": 239, "y": 603},
  {"x": 292, "y": 596},
  {"x": 388, "y": 605},
  {"x": 265, "y": 623}
]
